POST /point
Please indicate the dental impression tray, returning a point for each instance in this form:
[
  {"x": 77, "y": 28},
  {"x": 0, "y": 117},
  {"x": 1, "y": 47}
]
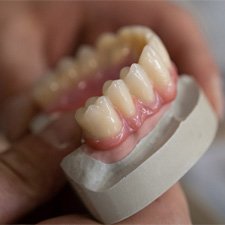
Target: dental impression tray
[{"x": 115, "y": 191}]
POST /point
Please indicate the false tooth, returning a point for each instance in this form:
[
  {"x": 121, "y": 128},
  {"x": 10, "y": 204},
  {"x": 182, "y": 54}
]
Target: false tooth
[
  {"x": 87, "y": 59},
  {"x": 136, "y": 37},
  {"x": 110, "y": 49},
  {"x": 64, "y": 64},
  {"x": 119, "y": 95},
  {"x": 99, "y": 120},
  {"x": 159, "y": 47},
  {"x": 90, "y": 101},
  {"x": 139, "y": 84},
  {"x": 155, "y": 68},
  {"x": 46, "y": 90},
  {"x": 124, "y": 71}
]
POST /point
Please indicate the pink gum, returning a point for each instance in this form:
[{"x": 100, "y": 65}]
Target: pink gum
[
  {"x": 133, "y": 124},
  {"x": 121, "y": 151}
]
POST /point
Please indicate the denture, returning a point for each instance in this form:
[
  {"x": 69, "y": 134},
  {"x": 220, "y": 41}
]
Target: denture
[
  {"x": 139, "y": 121},
  {"x": 127, "y": 80}
]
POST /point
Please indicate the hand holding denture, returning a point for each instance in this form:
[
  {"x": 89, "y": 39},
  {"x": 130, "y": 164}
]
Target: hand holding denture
[{"x": 112, "y": 125}]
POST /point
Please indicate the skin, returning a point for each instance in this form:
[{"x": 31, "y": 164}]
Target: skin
[{"x": 43, "y": 33}]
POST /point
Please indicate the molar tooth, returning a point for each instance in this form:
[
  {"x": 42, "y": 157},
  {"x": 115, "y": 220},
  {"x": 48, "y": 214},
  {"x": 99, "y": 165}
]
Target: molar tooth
[
  {"x": 99, "y": 120},
  {"x": 139, "y": 84},
  {"x": 106, "y": 41},
  {"x": 136, "y": 37},
  {"x": 110, "y": 50},
  {"x": 64, "y": 64},
  {"x": 46, "y": 90},
  {"x": 155, "y": 67},
  {"x": 87, "y": 59},
  {"x": 159, "y": 47},
  {"x": 119, "y": 95}
]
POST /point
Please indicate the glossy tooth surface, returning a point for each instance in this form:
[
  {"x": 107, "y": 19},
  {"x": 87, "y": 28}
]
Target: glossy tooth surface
[
  {"x": 119, "y": 95},
  {"x": 159, "y": 47},
  {"x": 155, "y": 68},
  {"x": 139, "y": 84},
  {"x": 99, "y": 120},
  {"x": 136, "y": 37}
]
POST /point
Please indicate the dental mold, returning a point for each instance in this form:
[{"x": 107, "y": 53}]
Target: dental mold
[
  {"x": 136, "y": 136},
  {"x": 115, "y": 191}
]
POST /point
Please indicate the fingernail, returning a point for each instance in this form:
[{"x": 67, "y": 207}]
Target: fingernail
[
  {"x": 63, "y": 133},
  {"x": 15, "y": 115}
]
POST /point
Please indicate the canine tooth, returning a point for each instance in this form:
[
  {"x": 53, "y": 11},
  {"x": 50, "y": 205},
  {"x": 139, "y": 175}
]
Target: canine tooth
[
  {"x": 155, "y": 67},
  {"x": 139, "y": 84},
  {"x": 119, "y": 95},
  {"x": 99, "y": 120},
  {"x": 159, "y": 47}
]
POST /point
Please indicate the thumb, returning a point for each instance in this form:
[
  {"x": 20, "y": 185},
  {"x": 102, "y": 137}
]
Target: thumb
[{"x": 30, "y": 172}]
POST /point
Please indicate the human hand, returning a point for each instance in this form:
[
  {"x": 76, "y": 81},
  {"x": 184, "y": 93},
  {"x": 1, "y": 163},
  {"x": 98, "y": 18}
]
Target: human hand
[{"x": 51, "y": 34}]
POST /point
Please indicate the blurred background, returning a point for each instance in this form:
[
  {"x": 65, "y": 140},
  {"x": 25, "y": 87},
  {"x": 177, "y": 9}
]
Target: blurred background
[{"x": 205, "y": 183}]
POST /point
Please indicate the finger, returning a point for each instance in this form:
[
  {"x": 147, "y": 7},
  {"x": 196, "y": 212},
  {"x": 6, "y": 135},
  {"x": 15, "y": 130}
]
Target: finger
[
  {"x": 15, "y": 116},
  {"x": 62, "y": 23},
  {"x": 170, "y": 208},
  {"x": 190, "y": 52},
  {"x": 30, "y": 172},
  {"x": 22, "y": 58}
]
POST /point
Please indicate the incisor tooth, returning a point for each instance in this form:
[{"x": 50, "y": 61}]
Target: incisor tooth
[
  {"x": 99, "y": 120},
  {"x": 119, "y": 95},
  {"x": 159, "y": 47},
  {"x": 139, "y": 84},
  {"x": 155, "y": 67}
]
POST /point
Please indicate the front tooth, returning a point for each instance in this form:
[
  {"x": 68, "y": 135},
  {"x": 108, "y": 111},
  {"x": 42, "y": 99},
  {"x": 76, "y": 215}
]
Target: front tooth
[
  {"x": 139, "y": 84},
  {"x": 155, "y": 68},
  {"x": 99, "y": 120},
  {"x": 119, "y": 95},
  {"x": 159, "y": 47}
]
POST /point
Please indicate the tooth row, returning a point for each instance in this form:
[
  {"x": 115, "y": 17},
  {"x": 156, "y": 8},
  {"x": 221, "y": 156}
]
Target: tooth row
[{"x": 99, "y": 118}]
